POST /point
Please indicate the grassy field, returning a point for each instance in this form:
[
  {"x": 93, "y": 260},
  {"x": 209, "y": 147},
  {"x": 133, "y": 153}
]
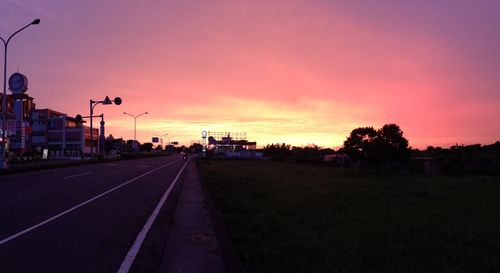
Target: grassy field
[{"x": 285, "y": 217}]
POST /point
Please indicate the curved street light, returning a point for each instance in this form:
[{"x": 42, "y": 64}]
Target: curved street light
[
  {"x": 93, "y": 104},
  {"x": 135, "y": 121},
  {"x": 3, "y": 161}
]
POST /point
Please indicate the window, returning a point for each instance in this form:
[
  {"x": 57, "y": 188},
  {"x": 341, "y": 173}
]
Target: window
[
  {"x": 72, "y": 124},
  {"x": 73, "y": 136},
  {"x": 55, "y": 137}
]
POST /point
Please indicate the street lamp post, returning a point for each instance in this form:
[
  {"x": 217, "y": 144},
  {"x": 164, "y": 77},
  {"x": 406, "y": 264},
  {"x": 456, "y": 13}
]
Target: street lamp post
[
  {"x": 80, "y": 118},
  {"x": 93, "y": 104},
  {"x": 135, "y": 121},
  {"x": 3, "y": 161}
]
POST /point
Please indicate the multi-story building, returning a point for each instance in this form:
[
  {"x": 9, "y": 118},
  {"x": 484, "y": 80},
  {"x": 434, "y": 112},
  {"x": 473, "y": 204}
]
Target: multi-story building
[
  {"x": 62, "y": 135},
  {"x": 31, "y": 129},
  {"x": 18, "y": 111}
]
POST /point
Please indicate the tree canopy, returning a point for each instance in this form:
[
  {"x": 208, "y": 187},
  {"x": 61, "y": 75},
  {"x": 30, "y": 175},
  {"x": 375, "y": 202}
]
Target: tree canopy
[{"x": 377, "y": 146}]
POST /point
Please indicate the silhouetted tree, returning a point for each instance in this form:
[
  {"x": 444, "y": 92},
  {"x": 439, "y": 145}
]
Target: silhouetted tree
[
  {"x": 358, "y": 143},
  {"x": 111, "y": 143},
  {"x": 389, "y": 146},
  {"x": 196, "y": 148},
  {"x": 278, "y": 152},
  {"x": 147, "y": 147},
  {"x": 169, "y": 148},
  {"x": 181, "y": 149},
  {"x": 377, "y": 146},
  {"x": 308, "y": 153}
]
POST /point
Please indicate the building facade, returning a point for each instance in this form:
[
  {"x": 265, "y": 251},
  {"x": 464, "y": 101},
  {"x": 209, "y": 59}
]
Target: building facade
[
  {"x": 19, "y": 107},
  {"x": 35, "y": 130},
  {"x": 62, "y": 135}
]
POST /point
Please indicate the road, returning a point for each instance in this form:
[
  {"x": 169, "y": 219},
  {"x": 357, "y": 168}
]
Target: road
[{"x": 79, "y": 219}]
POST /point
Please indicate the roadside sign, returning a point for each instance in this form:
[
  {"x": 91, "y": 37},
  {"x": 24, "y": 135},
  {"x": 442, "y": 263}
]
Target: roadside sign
[
  {"x": 155, "y": 139},
  {"x": 107, "y": 101}
]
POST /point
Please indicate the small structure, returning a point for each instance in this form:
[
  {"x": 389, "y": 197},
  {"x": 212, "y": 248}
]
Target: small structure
[
  {"x": 232, "y": 145},
  {"x": 341, "y": 159},
  {"x": 422, "y": 164}
]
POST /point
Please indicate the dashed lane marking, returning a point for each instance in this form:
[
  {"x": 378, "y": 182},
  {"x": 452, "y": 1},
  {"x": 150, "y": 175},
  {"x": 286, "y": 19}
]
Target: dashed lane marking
[
  {"x": 76, "y": 175},
  {"x": 14, "y": 236}
]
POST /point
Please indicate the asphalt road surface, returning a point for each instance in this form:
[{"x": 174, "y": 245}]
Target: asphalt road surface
[{"x": 79, "y": 219}]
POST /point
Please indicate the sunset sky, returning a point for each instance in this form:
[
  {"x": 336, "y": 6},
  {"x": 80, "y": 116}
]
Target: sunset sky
[{"x": 294, "y": 71}]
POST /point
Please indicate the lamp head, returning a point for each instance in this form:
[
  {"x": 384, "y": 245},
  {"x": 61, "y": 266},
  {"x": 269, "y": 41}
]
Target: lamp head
[
  {"x": 117, "y": 101},
  {"x": 35, "y": 22}
]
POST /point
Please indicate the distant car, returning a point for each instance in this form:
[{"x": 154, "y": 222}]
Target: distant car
[{"x": 182, "y": 153}]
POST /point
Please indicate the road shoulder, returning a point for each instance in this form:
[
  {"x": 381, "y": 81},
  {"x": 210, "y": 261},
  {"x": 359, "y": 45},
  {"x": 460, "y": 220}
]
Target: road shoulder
[{"x": 194, "y": 241}]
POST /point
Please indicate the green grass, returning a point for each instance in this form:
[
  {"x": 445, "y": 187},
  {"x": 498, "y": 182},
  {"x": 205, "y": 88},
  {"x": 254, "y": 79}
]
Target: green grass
[{"x": 285, "y": 217}]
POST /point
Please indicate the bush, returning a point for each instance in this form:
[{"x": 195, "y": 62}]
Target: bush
[
  {"x": 452, "y": 165},
  {"x": 277, "y": 152}
]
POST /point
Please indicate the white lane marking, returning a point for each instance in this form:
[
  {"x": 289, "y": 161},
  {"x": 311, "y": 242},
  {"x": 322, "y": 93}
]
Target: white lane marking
[
  {"x": 134, "y": 250},
  {"x": 12, "y": 237},
  {"x": 76, "y": 175}
]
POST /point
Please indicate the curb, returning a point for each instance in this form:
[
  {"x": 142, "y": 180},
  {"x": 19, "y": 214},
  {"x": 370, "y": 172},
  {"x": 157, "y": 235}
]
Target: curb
[{"x": 226, "y": 247}]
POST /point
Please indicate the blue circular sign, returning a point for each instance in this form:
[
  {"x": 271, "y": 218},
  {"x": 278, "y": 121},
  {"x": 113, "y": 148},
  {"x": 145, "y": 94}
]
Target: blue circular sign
[{"x": 18, "y": 83}]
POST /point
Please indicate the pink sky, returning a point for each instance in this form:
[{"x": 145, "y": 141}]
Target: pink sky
[{"x": 297, "y": 71}]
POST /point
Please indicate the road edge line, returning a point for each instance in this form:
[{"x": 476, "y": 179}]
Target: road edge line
[{"x": 134, "y": 250}]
